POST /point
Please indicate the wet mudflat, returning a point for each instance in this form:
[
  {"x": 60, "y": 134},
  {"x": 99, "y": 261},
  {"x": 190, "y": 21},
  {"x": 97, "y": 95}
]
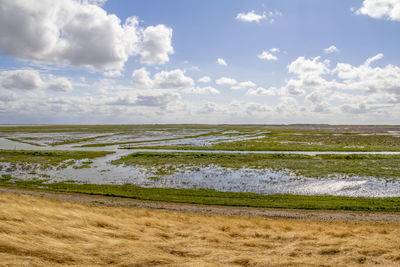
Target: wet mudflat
[{"x": 261, "y": 178}]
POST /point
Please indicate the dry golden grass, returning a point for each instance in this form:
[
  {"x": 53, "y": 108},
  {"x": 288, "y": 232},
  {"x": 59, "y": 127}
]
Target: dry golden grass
[{"x": 42, "y": 232}]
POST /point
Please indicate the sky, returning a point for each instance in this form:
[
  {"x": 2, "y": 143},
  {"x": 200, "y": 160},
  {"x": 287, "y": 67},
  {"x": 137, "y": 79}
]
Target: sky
[{"x": 187, "y": 61}]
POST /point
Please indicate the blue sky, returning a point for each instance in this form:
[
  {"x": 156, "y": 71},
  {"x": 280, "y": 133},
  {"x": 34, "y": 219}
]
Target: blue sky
[{"x": 120, "y": 61}]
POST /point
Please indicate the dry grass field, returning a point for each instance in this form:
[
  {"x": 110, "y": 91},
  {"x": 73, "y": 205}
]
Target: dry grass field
[{"x": 36, "y": 231}]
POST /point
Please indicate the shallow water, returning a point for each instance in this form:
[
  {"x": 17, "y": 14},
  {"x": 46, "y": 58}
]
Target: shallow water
[
  {"x": 7, "y": 144},
  {"x": 114, "y": 137},
  {"x": 264, "y": 181}
]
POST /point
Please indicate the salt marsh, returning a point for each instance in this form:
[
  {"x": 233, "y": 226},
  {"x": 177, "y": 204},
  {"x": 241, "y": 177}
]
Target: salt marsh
[{"x": 268, "y": 180}]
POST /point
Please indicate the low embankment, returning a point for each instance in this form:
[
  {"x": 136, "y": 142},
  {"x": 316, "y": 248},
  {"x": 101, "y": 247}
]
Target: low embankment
[{"x": 44, "y": 232}]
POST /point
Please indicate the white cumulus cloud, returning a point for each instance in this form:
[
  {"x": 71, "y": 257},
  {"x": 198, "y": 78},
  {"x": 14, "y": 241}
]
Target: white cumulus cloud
[
  {"x": 381, "y": 83},
  {"x": 205, "y": 79},
  {"x": 252, "y": 108},
  {"x": 60, "y": 84},
  {"x": 141, "y": 78},
  {"x": 157, "y": 99},
  {"x": 380, "y": 9},
  {"x": 244, "y": 85},
  {"x": 207, "y": 90},
  {"x": 174, "y": 79},
  {"x": 372, "y": 59},
  {"x": 260, "y": 91},
  {"x": 226, "y": 81},
  {"x": 265, "y": 55},
  {"x": 21, "y": 80},
  {"x": 156, "y": 45},
  {"x": 78, "y": 33},
  {"x": 146, "y": 99},
  {"x": 331, "y": 49},
  {"x": 221, "y": 62},
  {"x": 304, "y": 67},
  {"x": 251, "y": 16},
  {"x": 32, "y": 80},
  {"x": 371, "y": 79}
]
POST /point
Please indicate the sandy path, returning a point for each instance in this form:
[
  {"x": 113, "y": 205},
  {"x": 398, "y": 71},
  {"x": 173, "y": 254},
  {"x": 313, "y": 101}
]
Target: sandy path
[{"x": 323, "y": 215}]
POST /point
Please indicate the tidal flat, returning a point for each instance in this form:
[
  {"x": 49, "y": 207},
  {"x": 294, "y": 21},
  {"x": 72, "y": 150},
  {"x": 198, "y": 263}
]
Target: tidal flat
[
  {"x": 212, "y": 137},
  {"x": 317, "y": 161}
]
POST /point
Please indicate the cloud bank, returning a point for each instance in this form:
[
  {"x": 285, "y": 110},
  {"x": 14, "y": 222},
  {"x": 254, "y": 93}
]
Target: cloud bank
[
  {"x": 79, "y": 34},
  {"x": 27, "y": 80}
]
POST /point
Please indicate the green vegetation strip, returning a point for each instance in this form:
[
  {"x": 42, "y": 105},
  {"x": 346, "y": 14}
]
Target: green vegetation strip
[
  {"x": 45, "y": 159},
  {"x": 301, "y": 141},
  {"x": 72, "y": 141},
  {"x": 212, "y": 197},
  {"x": 382, "y": 166},
  {"x": 23, "y": 141},
  {"x": 150, "y": 141}
]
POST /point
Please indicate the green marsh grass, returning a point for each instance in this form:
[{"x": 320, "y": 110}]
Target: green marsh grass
[
  {"x": 301, "y": 141},
  {"x": 380, "y": 166},
  {"x": 46, "y": 159},
  {"x": 211, "y": 197}
]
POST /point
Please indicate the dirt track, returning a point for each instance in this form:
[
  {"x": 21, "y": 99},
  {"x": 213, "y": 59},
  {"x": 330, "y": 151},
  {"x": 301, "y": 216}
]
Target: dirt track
[{"x": 225, "y": 210}]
